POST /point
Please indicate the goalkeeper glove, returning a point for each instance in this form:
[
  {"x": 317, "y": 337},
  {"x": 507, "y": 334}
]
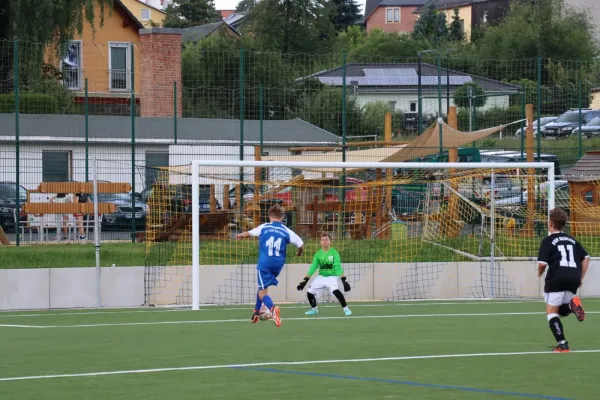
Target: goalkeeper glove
[
  {"x": 302, "y": 284},
  {"x": 346, "y": 284}
]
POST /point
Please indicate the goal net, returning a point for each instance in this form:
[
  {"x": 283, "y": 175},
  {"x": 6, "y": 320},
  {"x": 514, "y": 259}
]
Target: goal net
[{"x": 403, "y": 230}]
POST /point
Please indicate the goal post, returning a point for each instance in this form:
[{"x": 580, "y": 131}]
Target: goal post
[{"x": 447, "y": 206}]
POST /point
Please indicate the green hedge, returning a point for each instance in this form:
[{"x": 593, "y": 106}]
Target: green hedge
[{"x": 29, "y": 103}]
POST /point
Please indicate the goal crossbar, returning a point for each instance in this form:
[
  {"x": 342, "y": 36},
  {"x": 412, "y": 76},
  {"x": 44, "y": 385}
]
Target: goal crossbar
[{"x": 195, "y": 181}]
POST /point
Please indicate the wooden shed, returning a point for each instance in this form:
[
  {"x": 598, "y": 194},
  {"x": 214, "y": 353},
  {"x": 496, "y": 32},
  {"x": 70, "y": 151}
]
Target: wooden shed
[{"x": 584, "y": 201}]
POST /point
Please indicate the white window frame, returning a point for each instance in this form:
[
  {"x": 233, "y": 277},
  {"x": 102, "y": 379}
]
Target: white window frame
[
  {"x": 393, "y": 10},
  {"x": 142, "y": 14},
  {"x": 127, "y": 46},
  {"x": 80, "y": 74}
]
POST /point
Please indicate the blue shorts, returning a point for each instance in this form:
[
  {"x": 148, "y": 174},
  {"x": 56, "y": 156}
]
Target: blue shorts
[{"x": 266, "y": 278}]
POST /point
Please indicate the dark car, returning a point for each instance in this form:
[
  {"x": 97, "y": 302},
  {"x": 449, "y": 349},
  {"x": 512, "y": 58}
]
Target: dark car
[
  {"x": 567, "y": 122},
  {"x": 122, "y": 218},
  {"x": 8, "y": 205},
  {"x": 590, "y": 129}
]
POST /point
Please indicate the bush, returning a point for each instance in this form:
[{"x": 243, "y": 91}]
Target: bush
[
  {"x": 490, "y": 118},
  {"x": 29, "y": 103}
]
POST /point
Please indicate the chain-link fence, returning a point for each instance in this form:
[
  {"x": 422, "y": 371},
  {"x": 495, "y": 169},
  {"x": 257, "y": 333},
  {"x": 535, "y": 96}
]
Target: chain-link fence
[{"x": 135, "y": 110}]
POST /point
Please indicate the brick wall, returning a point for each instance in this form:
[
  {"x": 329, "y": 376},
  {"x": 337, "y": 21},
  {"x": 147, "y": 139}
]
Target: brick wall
[{"x": 160, "y": 67}]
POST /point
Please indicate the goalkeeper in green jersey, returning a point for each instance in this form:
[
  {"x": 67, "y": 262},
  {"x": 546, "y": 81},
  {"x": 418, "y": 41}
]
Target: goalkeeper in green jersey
[{"x": 327, "y": 261}]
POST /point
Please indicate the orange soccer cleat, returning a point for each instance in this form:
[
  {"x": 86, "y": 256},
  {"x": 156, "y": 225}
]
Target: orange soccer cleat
[
  {"x": 276, "y": 317},
  {"x": 577, "y": 308}
]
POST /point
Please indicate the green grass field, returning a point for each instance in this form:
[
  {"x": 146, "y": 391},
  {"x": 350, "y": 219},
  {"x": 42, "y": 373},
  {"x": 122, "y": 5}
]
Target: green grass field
[{"x": 407, "y": 350}]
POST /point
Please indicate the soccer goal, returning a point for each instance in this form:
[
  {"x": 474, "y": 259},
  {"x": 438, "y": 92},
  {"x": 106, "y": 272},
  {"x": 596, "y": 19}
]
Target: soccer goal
[{"x": 403, "y": 230}]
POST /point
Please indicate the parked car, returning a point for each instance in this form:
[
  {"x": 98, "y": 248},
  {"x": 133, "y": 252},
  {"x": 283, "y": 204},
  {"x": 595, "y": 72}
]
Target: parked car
[
  {"x": 491, "y": 156},
  {"x": 181, "y": 197},
  {"x": 543, "y": 122},
  {"x": 122, "y": 218},
  {"x": 518, "y": 203},
  {"x": 8, "y": 205},
  {"x": 590, "y": 129},
  {"x": 567, "y": 122}
]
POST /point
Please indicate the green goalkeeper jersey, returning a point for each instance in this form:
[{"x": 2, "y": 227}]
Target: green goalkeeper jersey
[{"x": 327, "y": 262}]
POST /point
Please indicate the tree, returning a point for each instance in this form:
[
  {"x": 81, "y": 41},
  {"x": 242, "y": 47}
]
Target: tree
[
  {"x": 461, "y": 95},
  {"x": 40, "y": 25},
  {"x": 246, "y": 6},
  {"x": 187, "y": 13},
  {"x": 457, "y": 31},
  {"x": 380, "y": 46},
  {"x": 546, "y": 28},
  {"x": 49, "y": 21},
  {"x": 431, "y": 25},
  {"x": 293, "y": 26},
  {"x": 344, "y": 14}
]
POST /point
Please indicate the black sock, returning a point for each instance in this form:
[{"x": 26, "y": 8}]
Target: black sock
[
  {"x": 557, "y": 328},
  {"x": 564, "y": 310},
  {"x": 340, "y": 297},
  {"x": 312, "y": 299}
]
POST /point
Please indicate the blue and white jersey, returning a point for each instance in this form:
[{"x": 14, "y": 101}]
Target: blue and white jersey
[{"x": 274, "y": 238}]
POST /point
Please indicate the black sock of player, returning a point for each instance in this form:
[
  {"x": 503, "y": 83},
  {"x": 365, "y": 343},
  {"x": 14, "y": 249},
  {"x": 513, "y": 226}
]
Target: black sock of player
[
  {"x": 557, "y": 328},
  {"x": 340, "y": 297},
  {"x": 564, "y": 310},
  {"x": 312, "y": 299}
]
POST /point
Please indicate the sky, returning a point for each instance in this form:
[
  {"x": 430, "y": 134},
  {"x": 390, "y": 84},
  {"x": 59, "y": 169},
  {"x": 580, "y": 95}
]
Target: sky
[{"x": 230, "y": 4}]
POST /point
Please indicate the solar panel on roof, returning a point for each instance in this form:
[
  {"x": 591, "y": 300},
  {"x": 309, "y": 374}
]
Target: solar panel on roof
[{"x": 390, "y": 72}]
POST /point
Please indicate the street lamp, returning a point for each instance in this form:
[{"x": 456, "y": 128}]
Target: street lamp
[{"x": 420, "y": 89}]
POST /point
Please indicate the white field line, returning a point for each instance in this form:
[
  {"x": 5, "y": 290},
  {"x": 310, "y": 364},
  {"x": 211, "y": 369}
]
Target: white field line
[
  {"x": 207, "y": 307},
  {"x": 7, "y": 314},
  {"x": 246, "y": 320},
  {"x": 279, "y": 363}
]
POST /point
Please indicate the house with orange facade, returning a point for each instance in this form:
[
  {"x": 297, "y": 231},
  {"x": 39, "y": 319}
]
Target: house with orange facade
[
  {"x": 391, "y": 15},
  {"x": 108, "y": 57}
]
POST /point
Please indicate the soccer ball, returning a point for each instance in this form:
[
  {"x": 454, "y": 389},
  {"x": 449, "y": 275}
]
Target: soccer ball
[{"x": 264, "y": 313}]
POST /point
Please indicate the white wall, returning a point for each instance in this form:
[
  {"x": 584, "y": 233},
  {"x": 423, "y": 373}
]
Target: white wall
[
  {"x": 124, "y": 286},
  {"x": 46, "y": 288},
  {"x": 114, "y": 162},
  {"x": 430, "y": 105}
]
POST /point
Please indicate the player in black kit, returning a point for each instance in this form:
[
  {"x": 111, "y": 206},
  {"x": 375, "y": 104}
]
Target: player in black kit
[{"x": 567, "y": 263}]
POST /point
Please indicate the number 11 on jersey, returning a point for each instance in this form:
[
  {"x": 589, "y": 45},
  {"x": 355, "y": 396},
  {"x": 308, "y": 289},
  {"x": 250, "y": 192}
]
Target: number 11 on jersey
[{"x": 273, "y": 244}]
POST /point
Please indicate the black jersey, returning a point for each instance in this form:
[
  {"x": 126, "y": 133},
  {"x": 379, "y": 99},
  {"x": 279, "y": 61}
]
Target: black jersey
[{"x": 563, "y": 255}]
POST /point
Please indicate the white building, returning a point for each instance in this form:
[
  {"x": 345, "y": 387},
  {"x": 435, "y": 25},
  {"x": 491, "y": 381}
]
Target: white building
[
  {"x": 397, "y": 85},
  {"x": 52, "y": 147}
]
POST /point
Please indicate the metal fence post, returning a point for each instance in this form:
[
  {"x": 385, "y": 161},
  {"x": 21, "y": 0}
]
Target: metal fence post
[
  {"x": 242, "y": 106},
  {"x": 580, "y": 101},
  {"x": 420, "y": 93},
  {"x": 539, "y": 107},
  {"x": 97, "y": 234},
  {"x": 17, "y": 143},
  {"x": 86, "y": 111},
  {"x": 523, "y": 125},
  {"x": 175, "y": 112},
  {"x": 132, "y": 72},
  {"x": 344, "y": 126},
  {"x": 439, "y": 73}
]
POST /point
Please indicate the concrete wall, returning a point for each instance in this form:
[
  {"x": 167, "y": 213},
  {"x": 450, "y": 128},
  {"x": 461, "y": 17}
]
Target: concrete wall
[
  {"x": 124, "y": 287},
  {"x": 47, "y": 288}
]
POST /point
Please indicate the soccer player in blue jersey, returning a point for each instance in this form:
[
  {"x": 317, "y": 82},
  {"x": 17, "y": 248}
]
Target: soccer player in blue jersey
[{"x": 273, "y": 239}]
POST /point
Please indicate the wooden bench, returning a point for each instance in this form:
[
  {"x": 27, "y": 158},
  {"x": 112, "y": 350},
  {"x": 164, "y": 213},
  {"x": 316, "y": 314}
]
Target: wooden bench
[{"x": 39, "y": 210}]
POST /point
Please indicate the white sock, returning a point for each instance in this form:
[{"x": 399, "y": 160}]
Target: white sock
[{"x": 346, "y": 308}]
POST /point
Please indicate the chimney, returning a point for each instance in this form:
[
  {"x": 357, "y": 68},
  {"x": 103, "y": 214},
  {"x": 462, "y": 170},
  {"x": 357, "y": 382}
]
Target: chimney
[{"x": 160, "y": 68}]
